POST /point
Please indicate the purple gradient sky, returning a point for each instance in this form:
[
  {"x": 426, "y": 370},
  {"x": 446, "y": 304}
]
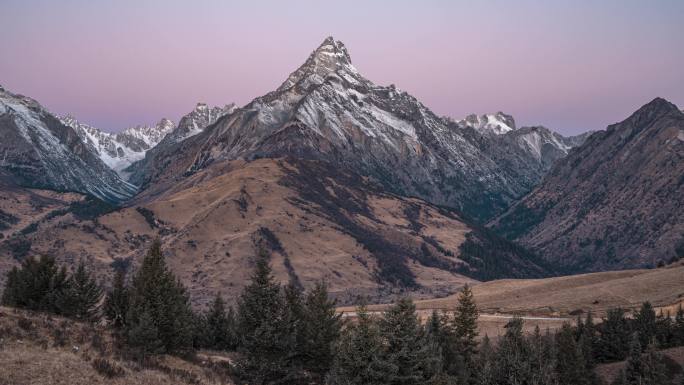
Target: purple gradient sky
[{"x": 570, "y": 65}]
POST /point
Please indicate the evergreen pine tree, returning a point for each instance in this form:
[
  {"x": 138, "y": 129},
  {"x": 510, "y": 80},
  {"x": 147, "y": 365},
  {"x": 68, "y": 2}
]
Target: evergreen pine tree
[
  {"x": 81, "y": 297},
  {"x": 665, "y": 330},
  {"x": 322, "y": 330},
  {"x": 570, "y": 365},
  {"x": 218, "y": 326},
  {"x": 633, "y": 367},
  {"x": 513, "y": 356},
  {"x": 614, "y": 337},
  {"x": 486, "y": 373},
  {"x": 36, "y": 285},
  {"x": 143, "y": 335},
  {"x": 360, "y": 358},
  {"x": 156, "y": 290},
  {"x": 10, "y": 293},
  {"x": 542, "y": 358},
  {"x": 465, "y": 329},
  {"x": 260, "y": 328},
  {"x": 116, "y": 301},
  {"x": 679, "y": 327},
  {"x": 588, "y": 341},
  {"x": 653, "y": 366},
  {"x": 294, "y": 335},
  {"x": 405, "y": 348},
  {"x": 645, "y": 324}
]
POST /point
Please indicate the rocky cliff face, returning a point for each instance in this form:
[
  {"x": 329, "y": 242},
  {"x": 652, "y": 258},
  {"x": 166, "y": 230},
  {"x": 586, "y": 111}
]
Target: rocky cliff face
[
  {"x": 617, "y": 201},
  {"x": 326, "y": 110},
  {"x": 120, "y": 150},
  {"x": 41, "y": 152}
]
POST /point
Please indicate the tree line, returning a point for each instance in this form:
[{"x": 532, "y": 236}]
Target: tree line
[{"x": 287, "y": 336}]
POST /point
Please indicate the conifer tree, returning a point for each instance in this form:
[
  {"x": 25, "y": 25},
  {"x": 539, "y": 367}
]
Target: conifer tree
[
  {"x": 633, "y": 367},
  {"x": 218, "y": 328},
  {"x": 588, "y": 341},
  {"x": 322, "y": 330},
  {"x": 81, "y": 297},
  {"x": 513, "y": 356},
  {"x": 653, "y": 367},
  {"x": 542, "y": 358},
  {"x": 260, "y": 327},
  {"x": 360, "y": 358},
  {"x": 293, "y": 333},
  {"x": 36, "y": 285},
  {"x": 570, "y": 365},
  {"x": 143, "y": 335},
  {"x": 645, "y": 324},
  {"x": 156, "y": 290},
  {"x": 486, "y": 374},
  {"x": 465, "y": 329},
  {"x": 405, "y": 348},
  {"x": 116, "y": 301},
  {"x": 614, "y": 337},
  {"x": 679, "y": 327}
]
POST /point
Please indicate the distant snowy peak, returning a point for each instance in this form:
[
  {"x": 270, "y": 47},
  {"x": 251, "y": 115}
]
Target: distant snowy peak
[
  {"x": 330, "y": 58},
  {"x": 118, "y": 151},
  {"x": 199, "y": 119},
  {"x": 498, "y": 123},
  {"x": 40, "y": 151}
]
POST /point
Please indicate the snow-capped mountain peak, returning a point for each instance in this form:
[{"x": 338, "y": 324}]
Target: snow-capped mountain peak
[
  {"x": 330, "y": 58},
  {"x": 497, "y": 123},
  {"x": 118, "y": 151}
]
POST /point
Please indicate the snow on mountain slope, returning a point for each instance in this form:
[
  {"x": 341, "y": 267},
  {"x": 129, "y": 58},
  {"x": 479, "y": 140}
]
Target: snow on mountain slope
[
  {"x": 326, "y": 110},
  {"x": 498, "y": 123},
  {"x": 121, "y": 150},
  {"x": 39, "y": 151},
  {"x": 197, "y": 120},
  {"x": 118, "y": 151}
]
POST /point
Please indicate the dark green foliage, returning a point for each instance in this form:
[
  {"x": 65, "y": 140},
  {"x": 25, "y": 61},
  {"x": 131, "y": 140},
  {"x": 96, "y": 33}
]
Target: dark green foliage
[
  {"x": 491, "y": 257},
  {"x": 641, "y": 369},
  {"x": 465, "y": 333},
  {"x": 570, "y": 365},
  {"x": 219, "y": 326},
  {"x": 81, "y": 297},
  {"x": 645, "y": 324},
  {"x": 260, "y": 327},
  {"x": 614, "y": 336},
  {"x": 405, "y": 347},
  {"x": 37, "y": 285},
  {"x": 360, "y": 358},
  {"x": 143, "y": 335},
  {"x": 321, "y": 332},
  {"x": 7, "y": 220},
  {"x": 148, "y": 215},
  {"x": 116, "y": 301},
  {"x": 678, "y": 333},
  {"x": 156, "y": 293},
  {"x": 543, "y": 358},
  {"x": 486, "y": 373},
  {"x": 512, "y": 365}
]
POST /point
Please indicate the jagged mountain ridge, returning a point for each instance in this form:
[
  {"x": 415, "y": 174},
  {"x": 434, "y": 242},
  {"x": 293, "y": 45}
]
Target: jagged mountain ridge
[
  {"x": 120, "y": 150},
  {"x": 327, "y": 110},
  {"x": 617, "y": 201},
  {"x": 41, "y": 152}
]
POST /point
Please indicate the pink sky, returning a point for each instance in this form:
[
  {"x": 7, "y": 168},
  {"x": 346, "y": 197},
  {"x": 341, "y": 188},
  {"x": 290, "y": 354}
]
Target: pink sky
[{"x": 569, "y": 65}]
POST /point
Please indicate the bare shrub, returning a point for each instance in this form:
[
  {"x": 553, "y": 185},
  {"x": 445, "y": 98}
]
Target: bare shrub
[{"x": 107, "y": 368}]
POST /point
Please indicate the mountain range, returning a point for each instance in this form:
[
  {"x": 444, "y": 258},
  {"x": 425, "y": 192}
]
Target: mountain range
[{"x": 343, "y": 180}]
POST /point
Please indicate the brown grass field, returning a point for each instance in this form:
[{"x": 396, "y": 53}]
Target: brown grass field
[{"x": 39, "y": 349}]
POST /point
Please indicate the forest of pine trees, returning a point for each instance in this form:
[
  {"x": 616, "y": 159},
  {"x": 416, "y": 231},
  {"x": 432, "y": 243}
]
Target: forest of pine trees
[{"x": 284, "y": 335}]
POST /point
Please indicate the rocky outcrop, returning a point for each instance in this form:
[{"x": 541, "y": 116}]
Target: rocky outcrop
[{"x": 617, "y": 201}]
